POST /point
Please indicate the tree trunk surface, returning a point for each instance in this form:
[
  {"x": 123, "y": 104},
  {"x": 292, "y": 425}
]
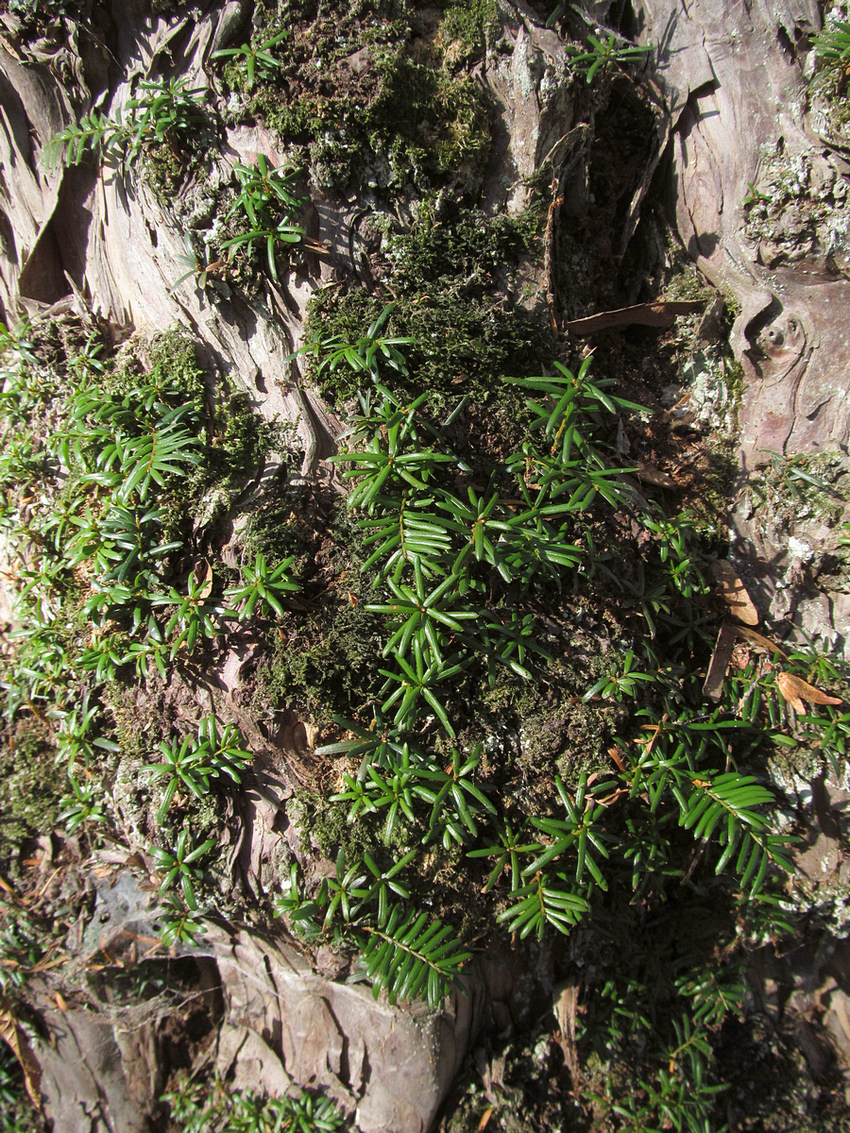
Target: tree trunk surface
[{"x": 722, "y": 119}]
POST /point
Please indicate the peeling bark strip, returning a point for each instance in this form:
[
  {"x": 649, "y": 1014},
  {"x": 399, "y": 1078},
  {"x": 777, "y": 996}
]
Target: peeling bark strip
[{"x": 720, "y": 659}]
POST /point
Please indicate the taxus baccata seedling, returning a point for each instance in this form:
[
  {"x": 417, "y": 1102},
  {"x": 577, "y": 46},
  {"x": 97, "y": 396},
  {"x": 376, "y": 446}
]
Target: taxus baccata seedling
[{"x": 163, "y": 112}]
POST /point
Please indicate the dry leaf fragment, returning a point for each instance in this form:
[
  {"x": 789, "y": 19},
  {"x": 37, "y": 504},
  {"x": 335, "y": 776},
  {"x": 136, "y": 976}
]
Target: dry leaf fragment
[
  {"x": 482, "y": 1124},
  {"x": 13, "y": 51},
  {"x": 565, "y": 1009},
  {"x": 617, "y": 757},
  {"x": 203, "y": 572},
  {"x": 649, "y": 473},
  {"x": 661, "y": 313},
  {"x": 795, "y": 691},
  {"x": 16, "y": 1037},
  {"x": 735, "y": 593}
]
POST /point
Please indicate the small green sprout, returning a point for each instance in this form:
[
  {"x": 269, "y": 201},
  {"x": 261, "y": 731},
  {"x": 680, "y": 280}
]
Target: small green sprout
[
  {"x": 424, "y": 616},
  {"x": 191, "y": 763},
  {"x": 200, "y": 272},
  {"x": 181, "y": 926},
  {"x": 397, "y": 791},
  {"x": 457, "y": 800},
  {"x": 161, "y": 112},
  {"x": 833, "y": 44},
  {"x": 83, "y": 804},
  {"x": 602, "y": 55},
  {"x": 178, "y": 865},
  {"x": 393, "y": 459},
  {"x": 186, "y": 765},
  {"x": 755, "y": 196},
  {"x": 263, "y": 185},
  {"x": 506, "y": 853},
  {"x": 364, "y": 355},
  {"x": 409, "y": 955},
  {"x": 254, "y": 57},
  {"x": 262, "y": 588},
  {"x": 223, "y": 748},
  {"x": 104, "y": 656},
  {"x": 345, "y": 890},
  {"x": 267, "y": 202},
  {"x": 283, "y": 233},
  {"x": 621, "y": 681},
  {"x": 417, "y": 682},
  {"x": 194, "y": 615}
]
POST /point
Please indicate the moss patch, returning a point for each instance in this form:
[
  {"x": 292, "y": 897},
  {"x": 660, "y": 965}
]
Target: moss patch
[
  {"x": 376, "y": 99},
  {"x": 30, "y": 789},
  {"x": 454, "y": 274},
  {"x": 802, "y": 486}
]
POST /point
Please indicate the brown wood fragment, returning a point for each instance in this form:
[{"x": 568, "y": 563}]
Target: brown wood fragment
[
  {"x": 745, "y": 633},
  {"x": 795, "y": 691},
  {"x": 658, "y": 314},
  {"x": 735, "y": 593},
  {"x": 720, "y": 658}
]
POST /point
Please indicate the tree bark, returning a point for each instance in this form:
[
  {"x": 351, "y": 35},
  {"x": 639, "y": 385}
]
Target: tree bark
[{"x": 724, "y": 103}]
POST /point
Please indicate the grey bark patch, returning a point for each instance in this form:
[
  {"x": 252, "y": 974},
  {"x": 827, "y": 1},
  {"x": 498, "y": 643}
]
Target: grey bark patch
[
  {"x": 733, "y": 99},
  {"x": 393, "y": 1064}
]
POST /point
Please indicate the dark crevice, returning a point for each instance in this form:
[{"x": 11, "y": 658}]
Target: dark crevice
[{"x": 788, "y": 46}]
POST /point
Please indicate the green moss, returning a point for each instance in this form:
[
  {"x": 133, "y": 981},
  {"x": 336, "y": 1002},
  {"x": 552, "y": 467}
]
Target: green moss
[
  {"x": 137, "y": 733},
  {"x": 327, "y": 828},
  {"x": 30, "y": 788},
  {"x": 735, "y": 381},
  {"x": 465, "y": 28},
  {"x": 324, "y": 653},
  {"x": 460, "y": 348},
  {"x": 443, "y": 270},
  {"x": 426, "y": 113},
  {"x": 237, "y": 439},
  {"x": 685, "y": 282},
  {"x": 167, "y": 170},
  {"x": 457, "y": 247},
  {"x": 396, "y": 118},
  {"x": 558, "y": 733},
  {"x": 733, "y": 308},
  {"x": 326, "y": 662},
  {"x": 711, "y": 495},
  {"x": 464, "y": 349},
  {"x": 168, "y": 359}
]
